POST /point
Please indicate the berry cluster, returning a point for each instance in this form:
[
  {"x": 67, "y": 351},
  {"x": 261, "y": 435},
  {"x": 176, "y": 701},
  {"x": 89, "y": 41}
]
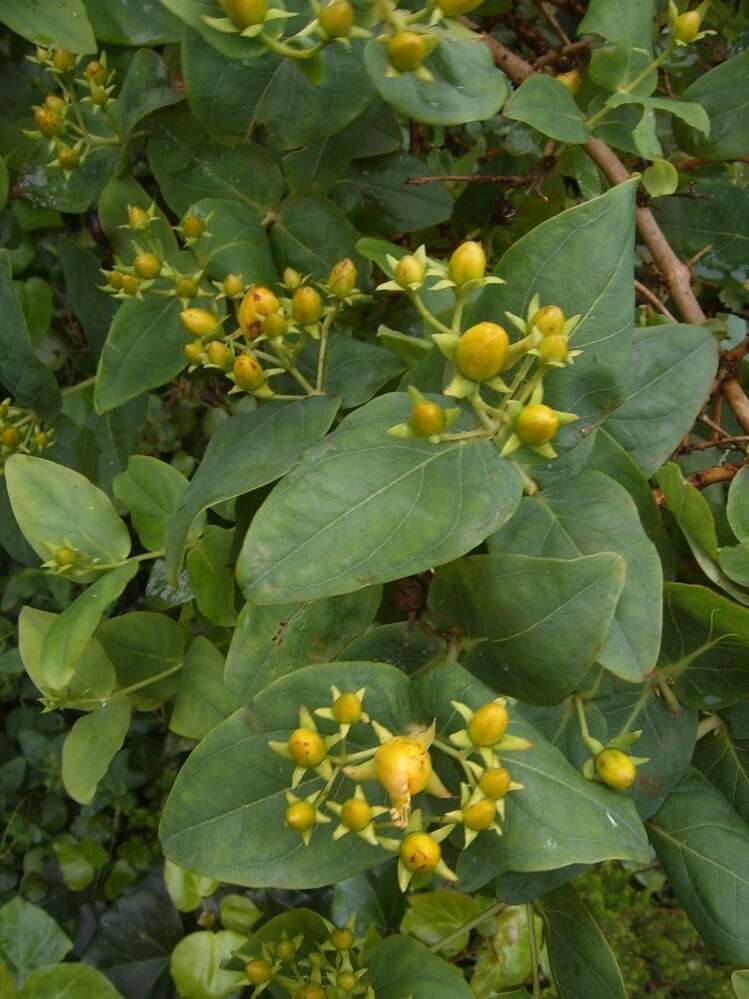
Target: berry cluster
[
  {"x": 21, "y": 431},
  {"x": 402, "y": 767}
]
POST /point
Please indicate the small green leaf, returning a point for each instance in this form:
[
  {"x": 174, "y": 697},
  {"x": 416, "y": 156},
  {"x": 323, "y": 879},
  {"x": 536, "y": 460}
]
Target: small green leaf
[
  {"x": 725, "y": 762},
  {"x": 237, "y": 244},
  {"x": 740, "y": 982},
  {"x": 660, "y": 179},
  {"x": 239, "y": 913},
  {"x": 400, "y": 967},
  {"x": 143, "y": 645},
  {"x": 187, "y": 889},
  {"x": 68, "y": 980},
  {"x": 548, "y": 106},
  {"x": 211, "y": 572},
  {"x": 47, "y": 22},
  {"x": 432, "y": 915},
  {"x": 151, "y": 490},
  {"x": 91, "y": 745},
  {"x": 722, "y": 93},
  {"x": 202, "y": 700},
  {"x": 737, "y": 505},
  {"x": 29, "y": 938}
]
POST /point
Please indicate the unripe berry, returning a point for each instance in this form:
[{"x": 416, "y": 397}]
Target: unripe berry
[
  {"x": 41, "y": 440},
  {"x": 347, "y": 708},
  {"x": 454, "y": 8},
  {"x": 130, "y": 284},
  {"x": 427, "y": 418},
  {"x": 356, "y": 814},
  {"x": 99, "y": 96},
  {"x": 274, "y": 325},
  {"x": 549, "y": 321},
  {"x": 64, "y": 557},
  {"x": 199, "y": 322},
  {"x": 468, "y": 263},
  {"x": 337, "y": 18},
  {"x": 147, "y": 266},
  {"x": 114, "y": 280},
  {"x": 259, "y": 971},
  {"x": 479, "y": 815},
  {"x": 482, "y": 351},
  {"x": 306, "y": 305},
  {"x": 10, "y": 437},
  {"x": 403, "y": 766},
  {"x": 420, "y": 852},
  {"x": 137, "y": 218},
  {"x": 342, "y": 938},
  {"x": 615, "y": 769},
  {"x": 220, "y": 355},
  {"x": 291, "y": 279},
  {"x": 495, "y": 782},
  {"x": 300, "y": 816},
  {"x": 187, "y": 288},
  {"x": 536, "y": 424},
  {"x": 232, "y": 285},
  {"x": 194, "y": 352},
  {"x": 192, "y": 226},
  {"x": 68, "y": 158},
  {"x": 285, "y": 950},
  {"x": 55, "y": 103},
  {"x": 342, "y": 277},
  {"x": 95, "y": 72},
  {"x": 571, "y": 80},
  {"x": 347, "y": 981},
  {"x": 310, "y": 991},
  {"x": 409, "y": 271},
  {"x": 306, "y": 746},
  {"x": 63, "y": 61},
  {"x": 488, "y": 724},
  {"x": 248, "y": 374},
  {"x": 49, "y": 123},
  {"x": 553, "y": 348},
  {"x": 245, "y": 13},
  {"x": 687, "y": 26},
  {"x": 406, "y": 51}
]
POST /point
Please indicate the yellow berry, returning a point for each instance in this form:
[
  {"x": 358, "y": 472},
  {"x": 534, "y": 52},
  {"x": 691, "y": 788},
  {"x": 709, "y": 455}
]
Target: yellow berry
[
  {"x": 257, "y": 304},
  {"x": 427, "y": 418},
  {"x": 306, "y": 305},
  {"x": 310, "y": 991},
  {"x": 549, "y": 321},
  {"x": 420, "y": 852},
  {"x": 482, "y": 351},
  {"x": 342, "y": 938},
  {"x": 571, "y": 80},
  {"x": 130, "y": 284},
  {"x": 495, "y": 782},
  {"x": 114, "y": 280},
  {"x": 232, "y": 286},
  {"x": 192, "y": 226},
  {"x": 41, "y": 440},
  {"x": 248, "y": 373},
  {"x": 194, "y": 352},
  {"x": 137, "y": 218},
  {"x": 291, "y": 278},
  {"x": 95, "y": 72},
  {"x": 403, "y": 766},
  {"x": 199, "y": 322},
  {"x": 306, "y": 746},
  {"x": 536, "y": 424},
  {"x": 220, "y": 355},
  {"x": 615, "y": 769},
  {"x": 274, "y": 325},
  {"x": 63, "y": 61},
  {"x": 356, "y": 814},
  {"x": 187, "y": 288},
  {"x": 55, "y": 103},
  {"x": 553, "y": 348},
  {"x": 300, "y": 816},
  {"x": 147, "y": 266},
  {"x": 347, "y": 709},
  {"x": 342, "y": 276},
  {"x": 688, "y": 25},
  {"x": 49, "y": 123},
  {"x": 409, "y": 271},
  {"x": 347, "y": 981},
  {"x": 488, "y": 724},
  {"x": 245, "y": 13},
  {"x": 64, "y": 557},
  {"x": 10, "y": 437},
  {"x": 68, "y": 158},
  {"x": 468, "y": 263},
  {"x": 337, "y": 19},
  {"x": 259, "y": 971},
  {"x": 480, "y": 815},
  {"x": 99, "y": 96},
  {"x": 406, "y": 51}
]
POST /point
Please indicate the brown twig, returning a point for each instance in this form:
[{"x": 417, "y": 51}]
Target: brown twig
[
  {"x": 737, "y": 442},
  {"x": 736, "y": 398},
  {"x": 509, "y": 180},
  {"x": 565, "y": 50},
  {"x": 711, "y": 476},
  {"x": 561, "y": 33},
  {"x": 649, "y": 296}
]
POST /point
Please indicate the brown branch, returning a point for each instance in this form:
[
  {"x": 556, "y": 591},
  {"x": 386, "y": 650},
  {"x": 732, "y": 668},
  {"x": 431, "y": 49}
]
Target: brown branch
[
  {"x": 509, "y": 180},
  {"x": 736, "y": 398},
  {"x": 737, "y": 442},
  {"x": 557, "y": 54},
  {"x": 649, "y": 296},
  {"x": 719, "y": 473},
  {"x": 673, "y": 270}
]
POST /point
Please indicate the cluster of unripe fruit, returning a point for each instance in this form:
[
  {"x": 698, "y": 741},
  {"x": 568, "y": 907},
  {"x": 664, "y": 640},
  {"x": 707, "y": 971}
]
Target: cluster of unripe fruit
[
  {"x": 21, "y": 431},
  {"x": 401, "y": 766},
  {"x": 332, "y": 968},
  {"x": 58, "y": 118}
]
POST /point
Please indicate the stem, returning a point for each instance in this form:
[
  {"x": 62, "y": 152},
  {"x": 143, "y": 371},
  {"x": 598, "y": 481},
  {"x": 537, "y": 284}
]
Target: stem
[
  {"x": 669, "y": 697},
  {"x": 582, "y": 722},
  {"x": 80, "y": 387},
  {"x": 280, "y": 48},
  {"x": 322, "y": 358},
  {"x": 487, "y": 913},
  {"x": 460, "y": 301},
  {"x": 134, "y": 558},
  {"x": 711, "y": 723},
  {"x": 427, "y": 316},
  {"x": 600, "y": 115},
  {"x": 534, "y": 950},
  {"x": 466, "y": 435},
  {"x": 137, "y": 686}
]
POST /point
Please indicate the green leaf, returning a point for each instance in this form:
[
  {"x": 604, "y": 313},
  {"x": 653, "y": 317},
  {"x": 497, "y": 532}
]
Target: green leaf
[
  {"x": 734, "y": 562},
  {"x": 740, "y": 983},
  {"x": 534, "y": 626},
  {"x": 311, "y": 234},
  {"x": 4, "y": 183},
  {"x": 248, "y": 451},
  {"x": 234, "y": 829},
  {"x": 432, "y": 915},
  {"x": 466, "y": 85},
  {"x": 384, "y": 508},
  {"x": 239, "y": 913},
  {"x": 298, "y": 922},
  {"x": 559, "y": 818},
  {"x": 68, "y": 980},
  {"x": 627, "y": 25},
  {"x": 693, "y": 114},
  {"x": 143, "y": 645},
  {"x": 400, "y": 967},
  {"x": 400, "y": 644},
  {"x": 660, "y": 179},
  {"x": 72, "y": 630},
  {"x": 269, "y": 642},
  {"x": 91, "y": 745},
  {"x": 116, "y": 22},
  {"x": 56, "y": 507},
  {"x": 79, "y": 861},
  {"x": 151, "y": 491},
  {"x": 47, "y": 22},
  {"x": 587, "y": 514},
  {"x": 92, "y": 308},
  {"x": 21, "y": 372},
  {"x": 504, "y": 959},
  {"x": 237, "y": 243},
  {"x": 582, "y": 962},
  {"x": 186, "y": 889},
  {"x": 357, "y": 371},
  {"x": 703, "y": 846},
  {"x": 572, "y": 261},
  {"x": 705, "y": 646},
  {"x": 192, "y": 14},
  {"x": 723, "y": 93},
  {"x": 146, "y": 87},
  {"x": 378, "y": 198},
  {"x": 737, "y": 505},
  {"x": 725, "y": 762},
  {"x": 119, "y": 193},
  {"x": 29, "y": 938},
  {"x": 188, "y": 166},
  {"x": 670, "y": 375},
  {"x": 197, "y": 965},
  {"x": 211, "y": 572},
  {"x": 548, "y": 106},
  {"x": 144, "y": 349},
  {"x": 202, "y": 700}
]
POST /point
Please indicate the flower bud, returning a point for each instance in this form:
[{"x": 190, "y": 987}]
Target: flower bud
[
  {"x": 192, "y": 226},
  {"x": 549, "y": 321},
  {"x": 147, "y": 265},
  {"x": 406, "y": 51},
  {"x": 259, "y": 971},
  {"x": 199, "y": 322},
  {"x": 40, "y": 440},
  {"x": 342, "y": 278},
  {"x": 337, "y": 19},
  {"x": 137, "y": 218},
  {"x": 10, "y": 437},
  {"x": 187, "y": 288},
  {"x": 553, "y": 348},
  {"x": 347, "y": 981},
  {"x": 687, "y": 26},
  {"x": 130, "y": 284},
  {"x": 409, "y": 271},
  {"x": 291, "y": 279},
  {"x": 342, "y": 938},
  {"x": 232, "y": 286},
  {"x": 64, "y": 557},
  {"x": 114, "y": 280},
  {"x": 274, "y": 325},
  {"x": 220, "y": 355},
  {"x": 54, "y": 103},
  {"x": 194, "y": 352},
  {"x": 468, "y": 263},
  {"x": 306, "y": 305}
]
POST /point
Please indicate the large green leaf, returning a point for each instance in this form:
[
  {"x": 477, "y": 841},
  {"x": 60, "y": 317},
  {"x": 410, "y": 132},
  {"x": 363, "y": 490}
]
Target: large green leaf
[
  {"x": 147, "y": 86},
  {"x": 627, "y": 27},
  {"x": 705, "y": 646},
  {"x": 144, "y": 349},
  {"x": 582, "y": 962},
  {"x": 91, "y": 745},
  {"x": 466, "y": 85},
  {"x": 703, "y": 846},
  {"x": 143, "y": 645},
  {"x": 21, "y": 372},
  {"x": 151, "y": 491},
  {"x": 211, "y": 572},
  {"x": 725, "y": 762},
  {"x": 60, "y": 980},
  {"x": 670, "y": 375},
  {"x": 116, "y": 22},
  {"x": 534, "y": 626},
  {"x": 559, "y": 818},
  {"x": 189, "y": 165},
  {"x": 383, "y": 508},
  {"x": 233, "y": 829},
  {"x": 29, "y": 938},
  {"x": 724, "y": 94},
  {"x": 591, "y": 513},
  {"x": 56, "y": 507},
  {"x": 48, "y": 22},
  {"x": 248, "y": 451},
  {"x": 400, "y": 967},
  {"x": 237, "y": 243},
  {"x": 548, "y": 106},
  {"x": 269, "y": 642},
  {"x": 92, "y": 307},
  {"x": 311, "y": 234},
  {"x": 572, "y": 261}
]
